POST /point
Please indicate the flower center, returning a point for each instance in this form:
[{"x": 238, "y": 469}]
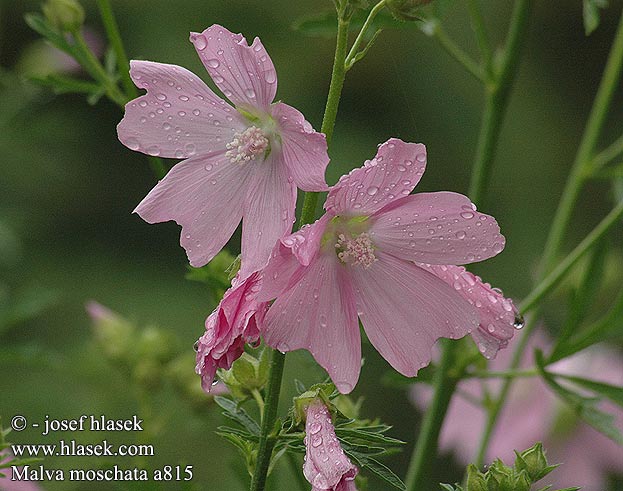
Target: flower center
[
  {"x": 247, "y": 145},
  {"x": 357, "y": 250}
]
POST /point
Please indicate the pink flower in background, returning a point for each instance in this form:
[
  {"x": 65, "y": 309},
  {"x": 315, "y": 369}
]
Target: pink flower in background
[
  {"x": 234, "y": 323},
  {"x": 498, "y": 316},
  {"x": 326, "y": 466},
  {"x": 239, "y": 163},
  {"x": 532, "y": 413},
  {"x": 358, "y": 260}
]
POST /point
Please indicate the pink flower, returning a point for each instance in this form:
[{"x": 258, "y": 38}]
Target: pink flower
[
  {"x": 358, "y": 260},
  {"x": 234, "y": 323},
  {"x": 326, "y": 466},
  {"x": 498, "y": 316},
  {"x": 532, "y": 413},
  {"x": 239, "y": 163}
]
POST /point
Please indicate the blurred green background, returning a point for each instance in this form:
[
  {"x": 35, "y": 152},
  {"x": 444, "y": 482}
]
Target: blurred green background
[{"x": 68, "y": 187}]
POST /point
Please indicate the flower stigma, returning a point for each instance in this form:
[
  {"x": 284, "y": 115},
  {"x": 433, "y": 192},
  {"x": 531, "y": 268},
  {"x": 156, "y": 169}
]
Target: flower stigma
[{"x": 246, "y": 146}]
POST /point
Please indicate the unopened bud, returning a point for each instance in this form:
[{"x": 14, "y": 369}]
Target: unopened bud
[
  {"x": 66, "y": 15},
  {"x": 156, "y": 344},
  {"x": 534, "y": 462},
  {"x": 475, "y": 479},
  {"x": 115, "y": 335},
  {"x": 407, "y": 10}
]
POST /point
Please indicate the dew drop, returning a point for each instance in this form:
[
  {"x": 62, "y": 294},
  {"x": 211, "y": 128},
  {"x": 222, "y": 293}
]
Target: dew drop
[
  {"x": 250, "y": 93},
  {"x": 315, "y": 427},
  {"x": 316, "y": 442},
  {"x": 132, "y": 144},
  {"x": 196, "y": 346},
  {"x": 519, "y": 322},
  {"x": 154, "y": 150},
  {"x": 208, "y": 167},
  {"x": 421, "y": 157},
  {"x": 200, "y": 42},
  {"x": 196, "y": 112},
  {"x": 184, "y": 98},
  {"x": 468, "y": 215},
  {"x": 214, "y": 63},
  {"x": 372, "y": 190}
]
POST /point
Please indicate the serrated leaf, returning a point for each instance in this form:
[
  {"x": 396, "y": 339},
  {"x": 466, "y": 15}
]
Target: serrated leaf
[
  {"x": 239, "y": 443},
  {"x": 237, "y": 431},
  {"x": 236, "y": 413},
  {"x": 384, "y": 472},
  {"x": 584, "y": 407},
  {"x": 364, "y": 436},
  {"x": 362, "y": 449}
]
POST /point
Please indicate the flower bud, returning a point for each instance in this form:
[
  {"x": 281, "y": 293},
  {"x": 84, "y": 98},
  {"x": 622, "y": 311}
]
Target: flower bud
[
  {"x": 156, "y": 344},
  {"x": 534, "y": 462},
  {"x": 475, "y": 479},
  {"x": 114, "y": 334},
  {"x": 66, "y": 15},
  {"x": 407, "y": 10}
]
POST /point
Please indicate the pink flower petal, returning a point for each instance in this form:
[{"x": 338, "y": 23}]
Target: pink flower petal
[
  {"x": 405, "y": 309},
  {"x": 205, "y": 195},
  {"x": 244, "y": 73},
  {"x": 436, "y": 228},
  {"x": 178, "y": 117},
  {"x": 289, "y": 254},
  {"x": 234, "y": 322},
  {"x": 268, "y": 213},
  {"x": 304, "y": 150},
  {"x": 318, "y": 315},
  {"x": 326, "y": 465},
  {"x": 499, "y": 318},
  {"x": 392, "y": 174}
]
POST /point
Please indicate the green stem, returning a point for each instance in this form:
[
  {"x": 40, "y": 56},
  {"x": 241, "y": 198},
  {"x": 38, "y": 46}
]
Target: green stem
[
  {"x": 608, "y": 154},
  {"x": 478, "y": 26},
  {"x": 349, "y": 61},
  {"x": 94, "y": 67},
  {"x": 275, "y": 371},
  {"x": 596, "y": 119},
  {"x": 576, "y": 178},
  {"x": 457, "y": 53},
  {"x": 503, "y": 374},
  {"x": 267, "y": 436},
  {"x": 552, "y": 279},
  {"x": 426, "y": 446},
  {"x": 496, "y": 101},
  {"x": 338, "y": 75},
  {"x": 112, "y": 30}
]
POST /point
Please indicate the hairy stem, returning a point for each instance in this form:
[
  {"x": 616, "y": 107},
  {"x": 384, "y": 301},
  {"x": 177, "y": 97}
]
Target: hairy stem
[{"x": 308, "y": 214}]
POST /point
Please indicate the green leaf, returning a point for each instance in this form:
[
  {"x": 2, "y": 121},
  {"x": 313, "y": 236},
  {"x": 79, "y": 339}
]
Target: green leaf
[
  {"x": 449, "y": 487},
  {"x": 583, "y": 296},
  {"x": 384, "y": 472},
  {"x": 237, "y": 431},
  {"x": 236, "y": 413},
  {"x": 609, "y": 326},
  {"x": 245, "y": 447},
  {"x": 585, "y": 407},
  {"x": 365, "y": 436},
  {"x": 61, "y": 84},
  {"x": 591, "y": 14},
  {"x": 612, "y": 392}
]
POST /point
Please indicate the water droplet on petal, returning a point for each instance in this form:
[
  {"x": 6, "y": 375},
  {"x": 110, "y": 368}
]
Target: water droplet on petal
[
  {"x": 214, "y": 63},
  {"x": 250, "y": 93},
  {"x": 154, "y": 150},
  {"x": 372, "y": 190},
  {"x": 316, "y": 441},
  {"x": 315, "y": 427},
  {"x": 468, "y": 215},
  {"x": 519, "y": 321},
  {"x": 200, "y": 42},
  {"x": 460, "y": 234}
]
